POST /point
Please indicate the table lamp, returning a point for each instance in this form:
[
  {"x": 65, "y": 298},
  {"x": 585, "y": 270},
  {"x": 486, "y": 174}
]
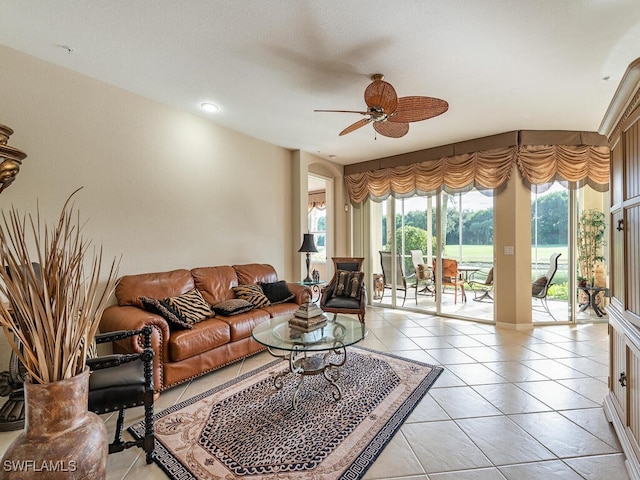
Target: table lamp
[{"x": 307, "y": 247}]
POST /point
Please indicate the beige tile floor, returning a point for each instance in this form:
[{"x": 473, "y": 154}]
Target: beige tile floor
[{"x": 509, "y": 405}]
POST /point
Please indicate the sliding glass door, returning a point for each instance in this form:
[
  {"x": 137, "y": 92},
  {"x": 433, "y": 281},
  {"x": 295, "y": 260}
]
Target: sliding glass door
[
  {"x": 562, "y": 281},
  {"x": 412, "y": 238},
  {"x": 466, "y": 255}
]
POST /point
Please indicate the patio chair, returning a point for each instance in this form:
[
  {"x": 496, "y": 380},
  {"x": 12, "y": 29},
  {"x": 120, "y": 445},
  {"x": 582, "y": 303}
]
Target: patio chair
[
  {"x": 451, "y": 277},
  {"x": 482, "y": 285},
  {"x": 403, "y": 282},
  {"x": 540, "y": 287}
]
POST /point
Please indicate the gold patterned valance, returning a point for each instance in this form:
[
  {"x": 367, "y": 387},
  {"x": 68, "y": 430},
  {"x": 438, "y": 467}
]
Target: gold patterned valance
[
  {"x": 575, "y": 158},
  {"x": 482, "y": 170},
  {"x": 576, "y": 165},
  {"x": 317, "y": 199}
]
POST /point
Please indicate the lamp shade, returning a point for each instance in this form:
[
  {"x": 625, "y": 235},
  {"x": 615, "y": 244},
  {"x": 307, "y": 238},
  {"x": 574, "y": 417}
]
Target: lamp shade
[{"x": 308, "y": 245}]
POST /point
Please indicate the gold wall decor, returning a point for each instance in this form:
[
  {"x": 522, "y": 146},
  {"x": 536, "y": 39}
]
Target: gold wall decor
[{"x": 10, "y": 159}]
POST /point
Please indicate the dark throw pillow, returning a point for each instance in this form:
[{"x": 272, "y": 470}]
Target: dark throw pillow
[
  {"x": 252, "y": 294},
  {"x": 190, "y": 306},
  {"x": 277, "y": 292},
  {"x": 349, "y": 284},
  {"x": 538, "y": 285},
  {"x": 158, "y": 307},
  {"x": 232, "y": 307}
]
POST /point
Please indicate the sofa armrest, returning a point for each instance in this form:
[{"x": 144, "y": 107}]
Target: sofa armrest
[
  {"x": 117, "y": 318},
  {"x": 300, "y": 292}
]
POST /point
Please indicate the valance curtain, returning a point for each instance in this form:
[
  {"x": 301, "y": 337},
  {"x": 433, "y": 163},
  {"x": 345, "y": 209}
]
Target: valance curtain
[
  {"x": 317, "y": 200},
  {"x": 481, "y": 170},
  {"x": 577, "y": 165},
  {"x": 575, "y": 158}
]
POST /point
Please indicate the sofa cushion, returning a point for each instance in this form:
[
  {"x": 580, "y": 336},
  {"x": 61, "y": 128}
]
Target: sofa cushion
[
  {"x": 130, "y": 288},
  {"x": 255, "y": 273},
  {"x": 241, "y": 325},
  {"x": 153, "y": 305},
  {"x": 252, "y": 294},
  {"x": 277, "y": 292},
  {"x": 215, "y": 283},
  {"x": 233, "y": 306},
  {"x": 204, "y": 336},
  {"x": 343, "y": 302},
  {"x": 190, "y": 306}
]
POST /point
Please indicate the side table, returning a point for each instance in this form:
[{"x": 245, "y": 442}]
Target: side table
[
  {"x": 592, "y": 295},
  {"x": 321, "y": 351},
  {"x": 316, "y": 289}
]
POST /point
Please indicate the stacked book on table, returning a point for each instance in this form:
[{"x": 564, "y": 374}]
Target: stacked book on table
[{"x": 308, "y": 317}]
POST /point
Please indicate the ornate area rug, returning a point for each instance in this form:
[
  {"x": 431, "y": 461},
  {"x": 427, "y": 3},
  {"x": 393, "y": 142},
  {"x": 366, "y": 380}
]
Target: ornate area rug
[{"x": 248, "y": 429}]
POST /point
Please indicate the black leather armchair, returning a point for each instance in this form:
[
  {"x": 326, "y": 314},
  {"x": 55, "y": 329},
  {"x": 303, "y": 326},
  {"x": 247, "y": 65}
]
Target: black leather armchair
[
  {"x": 333, "y": 303},
  {"x": 121, "y": 381}
]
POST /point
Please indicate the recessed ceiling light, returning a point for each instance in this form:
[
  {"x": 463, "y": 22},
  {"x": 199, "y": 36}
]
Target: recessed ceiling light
[
  {"x": 606, "y": 78},
  {"x": 210, "y": 107}
]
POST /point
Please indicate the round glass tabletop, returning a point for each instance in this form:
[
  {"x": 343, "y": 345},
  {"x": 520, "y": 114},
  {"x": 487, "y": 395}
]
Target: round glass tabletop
[{"x": 276, "y": 333}]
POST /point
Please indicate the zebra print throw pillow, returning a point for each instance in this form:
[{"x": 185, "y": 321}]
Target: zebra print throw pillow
[
  {"x": 252, "y": 294},
  {"x": 165, "y": 311},
  {"x": 190, "y": 306}
]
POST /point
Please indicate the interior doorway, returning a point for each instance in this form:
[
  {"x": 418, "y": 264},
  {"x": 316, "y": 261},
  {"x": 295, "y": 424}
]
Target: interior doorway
[{"x": 319, "y": 215}]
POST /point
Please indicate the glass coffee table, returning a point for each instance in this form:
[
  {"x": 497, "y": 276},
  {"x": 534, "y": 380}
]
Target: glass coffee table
[{"x": 321, "y": 351}]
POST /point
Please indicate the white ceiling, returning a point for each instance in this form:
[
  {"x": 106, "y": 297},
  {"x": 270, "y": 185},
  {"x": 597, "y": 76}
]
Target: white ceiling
[{"x": 501, "y": 64}]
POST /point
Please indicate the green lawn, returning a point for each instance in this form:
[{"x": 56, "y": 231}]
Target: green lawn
[{"x": 484, "y": 253}]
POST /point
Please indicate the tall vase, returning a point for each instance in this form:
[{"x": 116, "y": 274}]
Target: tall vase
[{"x": 62, "y": 440}]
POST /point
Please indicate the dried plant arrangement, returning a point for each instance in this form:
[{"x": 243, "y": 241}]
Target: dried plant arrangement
[{"x": 50, "y": 317}]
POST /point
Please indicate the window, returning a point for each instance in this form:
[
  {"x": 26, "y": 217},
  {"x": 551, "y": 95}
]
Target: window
[{"x": 318, "y": 227}]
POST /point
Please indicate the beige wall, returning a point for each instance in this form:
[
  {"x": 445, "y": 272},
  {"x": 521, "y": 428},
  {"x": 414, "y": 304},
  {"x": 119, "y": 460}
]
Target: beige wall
[
  {"x": 163, "y": 188},
  {"x": 512, "y": 271}
]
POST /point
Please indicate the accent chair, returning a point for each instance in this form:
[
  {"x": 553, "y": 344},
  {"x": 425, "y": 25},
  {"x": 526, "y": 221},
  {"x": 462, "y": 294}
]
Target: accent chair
[{"x": 345, "y": 293}]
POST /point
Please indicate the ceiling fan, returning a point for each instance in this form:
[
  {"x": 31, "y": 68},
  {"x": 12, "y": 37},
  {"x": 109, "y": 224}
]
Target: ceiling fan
[{"x": 391, "y": 115}]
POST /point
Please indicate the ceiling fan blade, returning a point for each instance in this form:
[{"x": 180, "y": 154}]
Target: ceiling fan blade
[
  {"x": 355, "y": 126},
  {"x": 343, "y": 111},
  {"x": 393, "y": 130},
  {"x": 415, "y": 109},
  {"x": 381, "y": 94}
]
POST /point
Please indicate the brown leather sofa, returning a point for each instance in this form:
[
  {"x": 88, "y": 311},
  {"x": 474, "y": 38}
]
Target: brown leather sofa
[{"x": 183, "y": 354}]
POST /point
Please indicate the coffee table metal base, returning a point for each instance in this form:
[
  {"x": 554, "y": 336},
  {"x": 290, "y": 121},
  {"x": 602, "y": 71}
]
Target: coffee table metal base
[{"x": 303, "y": 362}]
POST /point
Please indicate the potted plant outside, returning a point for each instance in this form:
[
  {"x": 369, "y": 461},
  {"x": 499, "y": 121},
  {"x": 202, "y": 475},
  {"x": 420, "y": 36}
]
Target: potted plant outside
[
  {"x": 591, "y": 240},
  {"x": 50, "y": 316}
]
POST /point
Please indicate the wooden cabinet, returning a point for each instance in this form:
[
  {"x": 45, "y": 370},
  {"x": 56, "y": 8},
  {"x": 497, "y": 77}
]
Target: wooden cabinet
[
  {"x": 622, "y": 404},
  {"x": 618, "y": 370}
]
